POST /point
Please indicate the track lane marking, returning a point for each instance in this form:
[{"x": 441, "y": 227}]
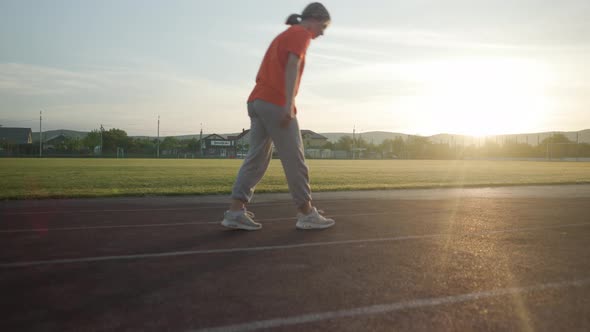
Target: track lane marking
[
  {"x": 276, "y": 247},
  {"x": 57, "y": 211},
  {"x": 54, "y": 229},
  {"x": 392, "y": 307},
  {"x": 195, "y": 208}
]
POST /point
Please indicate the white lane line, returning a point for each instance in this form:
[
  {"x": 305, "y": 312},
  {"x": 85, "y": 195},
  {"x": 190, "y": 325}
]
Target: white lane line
[
  {"x": 56, "y": 229},
  {"x": 276, "y": 247},
  {"x": 61, "y": 210},
  {"x": 211, "y": 251},
  {"x": 64, "y": 210},
  {"x": 392, "y": 307},
  {"x": 57, "y": 211},
  {"x": 88, "y": 227}
]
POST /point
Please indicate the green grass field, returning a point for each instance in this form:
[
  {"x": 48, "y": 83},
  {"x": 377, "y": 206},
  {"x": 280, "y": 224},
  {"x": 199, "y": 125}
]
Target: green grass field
[{"x": 55, "y": 178}]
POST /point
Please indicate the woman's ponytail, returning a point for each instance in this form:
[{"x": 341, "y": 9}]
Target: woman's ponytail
[
  {"x": 293, "y": 19},
  {"x": 314, "y": 10}
]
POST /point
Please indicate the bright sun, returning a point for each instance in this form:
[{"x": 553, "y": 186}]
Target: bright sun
[{"x": 485, "y": 96}]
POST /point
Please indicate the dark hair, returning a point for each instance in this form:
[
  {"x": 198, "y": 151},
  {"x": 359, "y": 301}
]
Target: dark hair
[
  {"x": 314, "y": 10},
  {"x": 293, "y": 19}
]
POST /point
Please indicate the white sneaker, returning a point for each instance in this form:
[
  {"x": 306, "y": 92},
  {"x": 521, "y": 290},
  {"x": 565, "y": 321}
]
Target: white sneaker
[
  {"x": 240, "y": 220},
  {"x": 313, "y": 220}
]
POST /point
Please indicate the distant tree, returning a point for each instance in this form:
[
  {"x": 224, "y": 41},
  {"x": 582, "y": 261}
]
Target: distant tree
[
  {"x": 444, "y": 151},
  {"x": 360, "y": 142},
  {"x": 169, "y": 144},
  {"x": 584, "y": 150},
  {"x": 517, "y": 150},
  {"x": 115, "y": 138},
  {"x": 92, "y": 140},
  {"x": 391, "y": 147},
  {"x": 193, "y": 145},
  {"x": 491, "y": 149},
  {"x": 556, "y": 138},
  {"x": 182, "y": 146},
  {"x": 328, "y": 145},
  {"x": 74, "y": 143},
  {"x": 143, "y": 146},
  {"x": 559, "y": 146},
  {"x": 418, "y": 147},
  {"x": 344, "y": 143},
  {"x": 69, "y": 144}
]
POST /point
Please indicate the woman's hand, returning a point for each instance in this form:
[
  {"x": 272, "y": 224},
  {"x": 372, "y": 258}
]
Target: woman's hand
[{"x": 289, "y": 115}]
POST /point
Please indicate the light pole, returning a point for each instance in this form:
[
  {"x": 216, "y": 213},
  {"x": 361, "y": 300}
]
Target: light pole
[
  {"x": 101, "y": 130},
  {"x": 577, "y": 145},
  {"x": 158, "y": 141},
  {"x": 353, "y": 139},
  {"x": 201, "y": 142},
  {"x": 40, "y": 134}
]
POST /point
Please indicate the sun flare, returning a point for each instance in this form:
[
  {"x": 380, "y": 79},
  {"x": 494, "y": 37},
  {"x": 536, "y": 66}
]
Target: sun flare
[{"x": 485, "y": 96}]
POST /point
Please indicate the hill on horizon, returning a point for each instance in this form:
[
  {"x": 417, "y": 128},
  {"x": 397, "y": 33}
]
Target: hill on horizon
[
  {"x": 377, "y": 137},
  {"x": 531, "y": 138},
  {"x": 371, "y": 136},
  {"x": 52, "y": 133}
]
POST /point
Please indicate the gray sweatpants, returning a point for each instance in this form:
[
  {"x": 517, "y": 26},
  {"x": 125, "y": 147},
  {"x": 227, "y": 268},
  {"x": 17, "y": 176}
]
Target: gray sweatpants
[{"x": 265, "y": 129}]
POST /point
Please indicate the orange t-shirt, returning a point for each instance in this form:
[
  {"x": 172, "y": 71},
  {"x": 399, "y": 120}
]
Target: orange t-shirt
[{"x": 270, "y": 81}]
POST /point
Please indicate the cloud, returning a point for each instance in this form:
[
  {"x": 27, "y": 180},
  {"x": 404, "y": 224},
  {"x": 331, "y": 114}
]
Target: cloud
[
  {"x": 404, "y": 37},
  {"x": 239, "y": 48},
  {"x": 84, "y": 96},
  {"x": 327, "y": 59},
  {"x": 31, "y": 80},
  {"x": 104, "y": 83}
]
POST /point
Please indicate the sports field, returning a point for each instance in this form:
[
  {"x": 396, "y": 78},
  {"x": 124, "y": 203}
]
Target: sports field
[{"x": 54, "y": 178}]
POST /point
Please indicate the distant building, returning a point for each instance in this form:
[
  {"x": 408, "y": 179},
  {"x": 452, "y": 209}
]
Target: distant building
[
  {"x": 242, "y": 143},
  {"x": 216, "y": 146},
  {"x": 236, "y": 146},
  {"x": 52, "y": 143},
  {"x": 15, "y": 141},
  {"x": 312, "y": 139},
  {"x": 16, "y": 136}
]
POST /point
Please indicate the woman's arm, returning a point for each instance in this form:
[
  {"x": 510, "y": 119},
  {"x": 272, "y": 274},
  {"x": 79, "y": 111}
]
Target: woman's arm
[{"x": 291, "y": 79}]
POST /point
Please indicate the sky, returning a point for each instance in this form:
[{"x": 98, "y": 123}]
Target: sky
[{"x": 422, "y": 67}]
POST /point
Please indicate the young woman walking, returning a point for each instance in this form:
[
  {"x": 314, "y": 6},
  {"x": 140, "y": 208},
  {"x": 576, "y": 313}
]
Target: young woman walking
[{"x": 272, "y": 112}]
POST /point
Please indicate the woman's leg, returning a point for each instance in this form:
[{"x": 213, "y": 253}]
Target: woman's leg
[
  {"x": 290, "y": 148},
  {"x": 255, "y": 164}
]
